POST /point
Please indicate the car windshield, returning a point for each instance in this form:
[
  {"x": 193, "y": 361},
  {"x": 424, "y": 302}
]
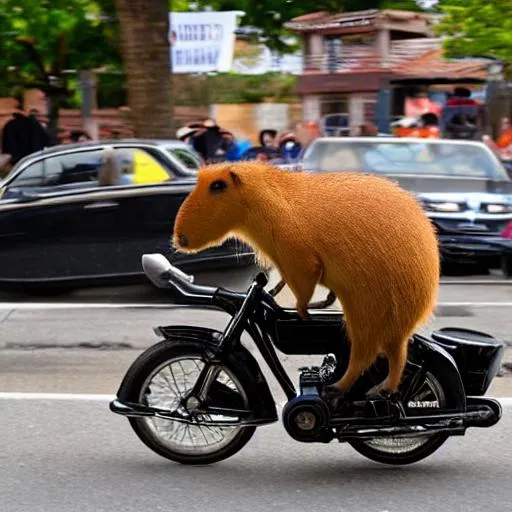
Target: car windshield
[{"x": 404, "y": 158}]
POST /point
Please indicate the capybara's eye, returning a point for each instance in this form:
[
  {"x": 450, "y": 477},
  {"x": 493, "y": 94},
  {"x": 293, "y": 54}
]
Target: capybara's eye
[{"x": 218, "y": 186}]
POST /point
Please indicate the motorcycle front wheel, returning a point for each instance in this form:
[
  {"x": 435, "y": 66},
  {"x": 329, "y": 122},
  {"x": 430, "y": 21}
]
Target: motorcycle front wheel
[{"x": 160, "y": 378}]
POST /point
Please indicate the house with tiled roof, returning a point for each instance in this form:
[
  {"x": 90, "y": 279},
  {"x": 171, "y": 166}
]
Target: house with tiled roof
[{"x": 349, "y": 56}]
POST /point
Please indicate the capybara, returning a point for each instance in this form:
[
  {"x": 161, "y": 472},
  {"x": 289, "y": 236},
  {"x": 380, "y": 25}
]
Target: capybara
[{"x": 359, "y": 235}]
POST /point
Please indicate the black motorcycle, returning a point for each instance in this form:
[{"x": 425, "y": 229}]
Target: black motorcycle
[{"x": 197, "y": 396}]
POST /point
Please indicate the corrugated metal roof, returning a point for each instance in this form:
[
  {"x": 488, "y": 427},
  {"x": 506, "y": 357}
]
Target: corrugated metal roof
[
  {"x": 322, "y": 20},
  {"x": 433, "y": 64}
]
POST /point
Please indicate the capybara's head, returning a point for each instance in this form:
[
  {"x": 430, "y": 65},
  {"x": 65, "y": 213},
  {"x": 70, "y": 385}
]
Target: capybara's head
[{"x": 211, "y": 211}]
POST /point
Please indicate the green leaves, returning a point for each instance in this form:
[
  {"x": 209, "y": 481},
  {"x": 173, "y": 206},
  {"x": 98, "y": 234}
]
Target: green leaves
[
  {"x": 61, "y": 34},
  {"x": 477, "y": 27}
]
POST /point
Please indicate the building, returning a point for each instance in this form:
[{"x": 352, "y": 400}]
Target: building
[{"x": 349, "y": 56}]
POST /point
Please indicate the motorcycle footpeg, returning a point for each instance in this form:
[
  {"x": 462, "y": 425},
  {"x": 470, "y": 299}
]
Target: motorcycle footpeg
[{"x": 335, "y": 399}]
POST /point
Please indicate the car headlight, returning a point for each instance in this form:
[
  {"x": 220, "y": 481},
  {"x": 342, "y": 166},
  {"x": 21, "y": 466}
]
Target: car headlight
[
  {"x": 498, "y": 208},
  {"x": 442, "y": 207}
]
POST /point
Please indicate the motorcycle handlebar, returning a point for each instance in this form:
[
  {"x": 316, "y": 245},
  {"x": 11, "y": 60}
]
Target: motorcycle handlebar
[{"x": 163, "y": 274}]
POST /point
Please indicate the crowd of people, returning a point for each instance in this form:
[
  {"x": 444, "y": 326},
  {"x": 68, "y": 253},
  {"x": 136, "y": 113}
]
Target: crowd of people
[
  {"x": 216, "y": 144},
  {"x": 24, "y": 134}
]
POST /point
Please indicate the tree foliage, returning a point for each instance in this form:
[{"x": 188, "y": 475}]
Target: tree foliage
[
  {"x": 42, "y": 38},
  {"x": 478, "y": 28}
]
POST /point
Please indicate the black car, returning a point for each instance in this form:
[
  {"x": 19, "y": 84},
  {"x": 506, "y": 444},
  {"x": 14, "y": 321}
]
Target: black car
[{"x": 63, "y": 223}]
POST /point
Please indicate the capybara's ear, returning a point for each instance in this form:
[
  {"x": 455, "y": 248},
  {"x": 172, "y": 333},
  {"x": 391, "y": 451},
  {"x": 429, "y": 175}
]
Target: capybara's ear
[{"x": 235, "y": 178}]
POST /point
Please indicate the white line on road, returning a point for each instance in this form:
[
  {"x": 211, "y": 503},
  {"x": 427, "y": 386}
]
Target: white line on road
[
  {"x": 505, "y": 401},
  {"x": 463, "y": 282},
  {"x": 87, "y": 305},
  {"x": 476, "y": 304},
  {"x": 56, "y": 396},
  {"x": 108, "y": 305}
]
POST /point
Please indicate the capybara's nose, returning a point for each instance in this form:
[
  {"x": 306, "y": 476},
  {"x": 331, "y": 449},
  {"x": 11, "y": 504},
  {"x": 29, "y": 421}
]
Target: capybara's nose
[{"x": 182, "y": 240}]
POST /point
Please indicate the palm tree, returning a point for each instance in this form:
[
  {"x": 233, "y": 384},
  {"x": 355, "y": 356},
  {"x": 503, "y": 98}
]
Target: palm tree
[{"x": 144, "y": 27}]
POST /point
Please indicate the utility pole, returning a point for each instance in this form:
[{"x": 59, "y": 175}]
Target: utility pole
[{"x": 88, "y": 93}]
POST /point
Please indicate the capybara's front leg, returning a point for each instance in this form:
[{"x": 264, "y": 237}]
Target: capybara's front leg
[
  {"x": 303, "y": 291},
  {"x": 302, "y": 281}
]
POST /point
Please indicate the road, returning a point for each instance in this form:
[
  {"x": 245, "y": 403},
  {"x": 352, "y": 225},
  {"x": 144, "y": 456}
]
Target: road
[
  {"x": 69, "y": 453},
  {"x": 74, "y": 456}
]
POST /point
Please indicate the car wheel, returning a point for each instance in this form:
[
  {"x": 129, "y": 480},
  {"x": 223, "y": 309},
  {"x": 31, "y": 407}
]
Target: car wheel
[{"x": 506, "y": 266}]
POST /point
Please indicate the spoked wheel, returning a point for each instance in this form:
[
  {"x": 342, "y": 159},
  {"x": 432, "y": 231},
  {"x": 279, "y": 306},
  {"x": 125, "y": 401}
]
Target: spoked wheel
[
  {"x": 407, "y": 450},
  {"x": 162, "y": 380}
]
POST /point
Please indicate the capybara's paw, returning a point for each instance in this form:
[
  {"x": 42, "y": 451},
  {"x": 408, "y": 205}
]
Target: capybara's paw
[
  {"x": 383, "y": 394},
  {"x": 375, "y": 392}
]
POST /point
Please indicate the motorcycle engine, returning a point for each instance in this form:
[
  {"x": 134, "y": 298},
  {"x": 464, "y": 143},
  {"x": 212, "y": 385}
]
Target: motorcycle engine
[{"x": 306, "y": 417}]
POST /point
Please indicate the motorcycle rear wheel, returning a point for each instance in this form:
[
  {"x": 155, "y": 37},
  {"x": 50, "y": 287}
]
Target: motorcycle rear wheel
[
  {"x": 402, "y": 451},
  {"x": 154, "y": 382}
]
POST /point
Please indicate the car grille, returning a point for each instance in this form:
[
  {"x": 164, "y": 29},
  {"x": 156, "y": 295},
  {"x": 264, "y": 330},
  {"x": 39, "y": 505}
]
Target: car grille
[{"x": 491, "y": 225}]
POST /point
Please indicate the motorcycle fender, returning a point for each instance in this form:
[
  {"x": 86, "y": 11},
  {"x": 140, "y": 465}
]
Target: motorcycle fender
[
  {"x": 439, "y": 361},
  {"x": 261, "y": 399}
]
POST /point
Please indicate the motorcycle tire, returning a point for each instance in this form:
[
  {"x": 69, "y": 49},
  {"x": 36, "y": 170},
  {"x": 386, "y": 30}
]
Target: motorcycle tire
[
  {"x": 371, "y": 450},
  {"x": 161, "y": 356}
]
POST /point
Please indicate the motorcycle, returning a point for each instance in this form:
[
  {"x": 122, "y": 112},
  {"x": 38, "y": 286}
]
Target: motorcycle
[{"x": 198, "y": 395}]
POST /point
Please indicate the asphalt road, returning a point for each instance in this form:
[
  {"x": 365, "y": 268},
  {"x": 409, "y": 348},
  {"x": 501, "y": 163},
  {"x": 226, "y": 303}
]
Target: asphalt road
[{"x": 75, "y": 456}]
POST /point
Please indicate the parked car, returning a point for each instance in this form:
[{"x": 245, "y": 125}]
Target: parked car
[
  {"x": 463, "y": 186},
  {"x": 59, "y": 226}
]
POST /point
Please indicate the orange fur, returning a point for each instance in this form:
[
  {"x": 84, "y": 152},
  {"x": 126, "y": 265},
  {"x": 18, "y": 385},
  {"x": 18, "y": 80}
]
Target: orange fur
[{"x": 361, "y": 236}]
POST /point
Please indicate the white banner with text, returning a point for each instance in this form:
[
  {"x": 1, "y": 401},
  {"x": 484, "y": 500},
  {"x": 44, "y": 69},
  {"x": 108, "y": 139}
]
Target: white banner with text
[{"x": 202, "y": 42}]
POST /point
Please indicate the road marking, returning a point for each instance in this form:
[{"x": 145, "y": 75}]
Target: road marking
[
  {"x": 9, "y": 306},
  {"x": 83, "y": 397},
  {"x": 476, "y": 304},
  {"x": 477, "y": 281},
  {"x": 56, "y": 396},
  {"x": 94, "y": 305}
]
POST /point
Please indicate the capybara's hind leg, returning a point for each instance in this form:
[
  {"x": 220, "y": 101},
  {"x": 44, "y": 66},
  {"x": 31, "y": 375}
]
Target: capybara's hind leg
[
  {"x": 397, "y": 357},
  {"x": 360, "y": 359}
]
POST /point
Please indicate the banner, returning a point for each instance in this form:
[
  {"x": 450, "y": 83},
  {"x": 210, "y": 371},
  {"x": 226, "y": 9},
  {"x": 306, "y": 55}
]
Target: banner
[{"x": 202, "y": 42}]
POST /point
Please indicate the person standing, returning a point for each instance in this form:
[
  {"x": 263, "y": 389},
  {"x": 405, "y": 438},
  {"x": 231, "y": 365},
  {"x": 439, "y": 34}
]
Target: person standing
[{"x": 23, "y": 135}]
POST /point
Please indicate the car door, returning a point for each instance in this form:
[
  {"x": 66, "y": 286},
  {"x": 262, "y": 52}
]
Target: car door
[
  {"x": 149, "y": 210},
  {"x": 49, "y": 229},
  {"x": 147, "y": 207}
]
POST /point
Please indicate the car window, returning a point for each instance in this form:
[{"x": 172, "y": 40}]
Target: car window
[
  {"x": 99, "y": 167},
  {"x": 137, "y": 166},
  {"x": 187, "y": 158},
  {"x": 31, "y": 176},
  {"x": 412, "y": 158},
  {"x": 54, "y": 172}
]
